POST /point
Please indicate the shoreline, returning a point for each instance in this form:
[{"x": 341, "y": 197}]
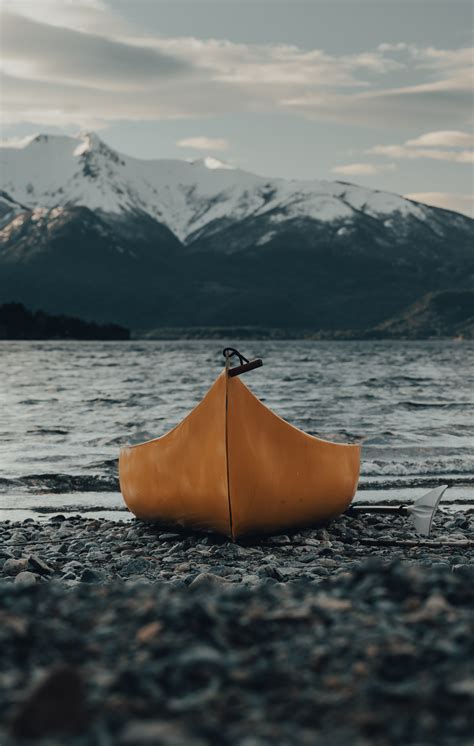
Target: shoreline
[
  {"x": 155, "y": 635},
  {"x": 110, "y": 506},
  {"x": 41, "y": 496},
  {"x": 104, "y": 547}
]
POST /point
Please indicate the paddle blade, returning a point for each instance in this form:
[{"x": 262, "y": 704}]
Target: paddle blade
[{"x": 423, "y": 510}]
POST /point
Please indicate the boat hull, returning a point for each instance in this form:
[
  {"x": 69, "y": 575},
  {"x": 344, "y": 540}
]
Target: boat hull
[{"x": 234, "y": 467}]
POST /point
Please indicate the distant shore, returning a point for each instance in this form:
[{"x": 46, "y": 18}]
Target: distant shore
[
  {"x": 444, "y": 315},
  {"x": 276, "y": 334},
  {"x": 448, "y": 314},
  {"x": 18, "y": 323},
  {"x": 339, "y": 634}
]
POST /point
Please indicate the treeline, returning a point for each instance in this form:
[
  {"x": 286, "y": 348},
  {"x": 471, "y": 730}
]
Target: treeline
[{"x": 17, "y": 322}]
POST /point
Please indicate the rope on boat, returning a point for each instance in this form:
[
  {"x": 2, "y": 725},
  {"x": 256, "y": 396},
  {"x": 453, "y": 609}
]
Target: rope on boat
[
  {"x": 229, "y": 352},
  {"x": 245, "y": 364}
]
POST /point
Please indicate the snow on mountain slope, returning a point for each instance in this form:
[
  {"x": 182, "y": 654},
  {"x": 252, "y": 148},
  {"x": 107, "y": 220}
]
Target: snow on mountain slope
[{"x": 50, "y": 171}]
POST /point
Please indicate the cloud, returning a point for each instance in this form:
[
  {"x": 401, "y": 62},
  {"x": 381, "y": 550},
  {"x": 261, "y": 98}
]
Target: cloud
[
  {"x": 448, "y": 138},
  {"x": 75, "y": 62},
  {"x": 445, "y": 138},
  {"x": 400, "y": 46},
  {"x": 409, "y": 106},
  {"x": 37, "y": 51},
  {"x": 463, "y": 203},
  {"x": 446, "y": 95},
  {"x": 404, "y": 151},
  {"x": 204, "y": 143},
  {"x": 60, "y": 104},
  {"x": 282, "y": 65},
  {"x": 81, "y": 15},
  {"x": 363, "y": 169}
]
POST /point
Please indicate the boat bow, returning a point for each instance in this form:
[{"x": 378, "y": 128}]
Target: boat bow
[{"x": 235, "y": 467}]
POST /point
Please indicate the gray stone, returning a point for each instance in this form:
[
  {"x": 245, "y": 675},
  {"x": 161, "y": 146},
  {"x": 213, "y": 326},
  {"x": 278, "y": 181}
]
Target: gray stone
[
  {"x": 322, "y": 534},
  {"x": 36, "y": 564},
  {"x": 135, "y": 566},
  {"x": 155, "y": 732},
  {"x": 250, "y": 579},
  {"x": 13, "y": 566},
  {"x": 65, "y": 529},
  {"x": 464, "y": 571},
  {"x": 309, "y": 557},
  {"x": 90, "y": 576},
  {"x": 39, "y": 714},
  {"x": 17, "y": 538},
  {"x": 206, "y": 580},
  {"x": 26, "y": 579},
  {"x": 96, "y": 556},
  {"x": 321, "y": 571},
  {"x": 280, "y": 540},
  {"x": 137, "y": 580},
  {"x": 72, "y": 566},
  {"x": 234, "y": 550},
  {"x": 463, "y": 688}
]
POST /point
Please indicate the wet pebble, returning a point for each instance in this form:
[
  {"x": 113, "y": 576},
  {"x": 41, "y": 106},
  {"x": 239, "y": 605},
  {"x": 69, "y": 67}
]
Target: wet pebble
[
  {"x": 26, "y": 578},
  {"x": 183, "y": 638},
  {"x": 14, "y": 566}
]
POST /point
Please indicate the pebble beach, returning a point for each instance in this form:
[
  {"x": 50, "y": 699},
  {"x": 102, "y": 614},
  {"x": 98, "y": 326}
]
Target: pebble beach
[
  {"x": 115, "y": 632},
  {"x": 126, "y": 633}
]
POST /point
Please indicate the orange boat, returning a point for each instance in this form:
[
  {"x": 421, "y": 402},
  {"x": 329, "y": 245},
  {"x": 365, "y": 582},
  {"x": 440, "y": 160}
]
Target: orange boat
[{"x": 234, "y": 467}]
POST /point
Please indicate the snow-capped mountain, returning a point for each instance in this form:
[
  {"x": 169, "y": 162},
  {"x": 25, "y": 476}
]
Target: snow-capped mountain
[
  {"x": 50, "y": 171},
  {"x": 84, "y": 229}
]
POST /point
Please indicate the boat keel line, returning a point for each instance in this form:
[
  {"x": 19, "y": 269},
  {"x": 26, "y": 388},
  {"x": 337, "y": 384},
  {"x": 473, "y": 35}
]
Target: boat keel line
[{"x": 231, "y": 530}]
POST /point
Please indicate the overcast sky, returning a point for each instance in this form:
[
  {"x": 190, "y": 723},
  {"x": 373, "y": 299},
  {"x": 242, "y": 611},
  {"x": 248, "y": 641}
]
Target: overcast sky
[{"x": 376, "y": 92}]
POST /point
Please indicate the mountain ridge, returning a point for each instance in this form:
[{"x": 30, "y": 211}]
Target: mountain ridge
[
  {"x": 174, "y": 243},
  {"x": 54, "y": 170}
]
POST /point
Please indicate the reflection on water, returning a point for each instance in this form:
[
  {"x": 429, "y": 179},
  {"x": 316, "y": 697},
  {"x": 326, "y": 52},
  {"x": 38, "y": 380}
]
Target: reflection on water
[{"x": 66, "y": 407}]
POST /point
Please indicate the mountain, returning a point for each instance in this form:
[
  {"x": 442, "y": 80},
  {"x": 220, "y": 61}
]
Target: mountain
[
  {"x": 447, "y": 314},
  {"x": 89, "y": 231},
  {"x": 437, "y": 315}
]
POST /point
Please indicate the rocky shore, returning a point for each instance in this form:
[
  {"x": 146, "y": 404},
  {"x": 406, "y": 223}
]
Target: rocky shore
[{"x": 126, "y": 633}]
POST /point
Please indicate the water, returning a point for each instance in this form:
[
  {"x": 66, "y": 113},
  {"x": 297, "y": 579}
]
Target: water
[{"x": 67, "y": 407}]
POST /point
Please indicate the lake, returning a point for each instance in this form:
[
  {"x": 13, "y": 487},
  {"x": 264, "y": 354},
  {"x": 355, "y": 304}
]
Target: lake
[{"x": 67, "y": 407}]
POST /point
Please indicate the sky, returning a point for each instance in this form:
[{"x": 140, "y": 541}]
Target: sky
[{"x": 375, "y": 92}]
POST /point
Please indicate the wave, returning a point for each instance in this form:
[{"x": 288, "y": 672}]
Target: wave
[
  {"x": 59, "y": 483},
  {"x": 47, "y": 431},
  {"x": 31, "y": 402},
  {"x": 434, "y": 405},
  {"x": 103, "y": 400},
  {"x": 417, "y": 481},
  {"x": 434, "y": 467},
  {"x": 77, "y": 508}
]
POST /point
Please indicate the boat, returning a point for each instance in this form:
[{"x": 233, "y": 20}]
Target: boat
[{"x": 234, "y": 467}]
